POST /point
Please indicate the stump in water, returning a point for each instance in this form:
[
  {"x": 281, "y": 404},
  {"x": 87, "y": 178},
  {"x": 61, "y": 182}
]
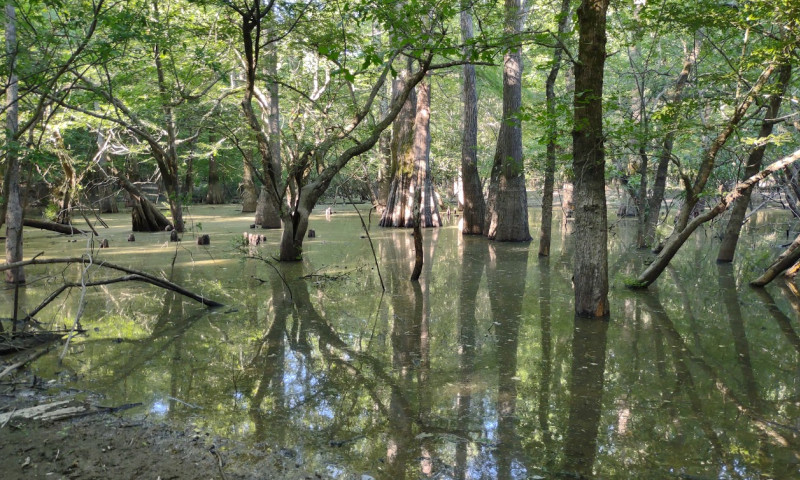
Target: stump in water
[
  {"x": 104, "y": 243},
  {"x": 253, "y": 239},
  {"x": 312, "y": 234},
  {"x": 173, "y": 236},
  {"x": 131, "y": 238},
  {"x": 203, "y": 240}
]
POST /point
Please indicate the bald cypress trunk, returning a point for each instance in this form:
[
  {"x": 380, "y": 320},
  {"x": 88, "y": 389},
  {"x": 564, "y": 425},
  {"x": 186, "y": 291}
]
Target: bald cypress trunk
[
  {"x": 591, "y": 231},
  {"x": 474, "y": 207},
  {"x": 507, "y": 206}
]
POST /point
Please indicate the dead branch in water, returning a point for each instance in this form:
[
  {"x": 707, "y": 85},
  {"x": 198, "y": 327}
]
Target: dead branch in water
[
  {"x": 53, "y": 227},
  {"x": 133, "y": 275}
]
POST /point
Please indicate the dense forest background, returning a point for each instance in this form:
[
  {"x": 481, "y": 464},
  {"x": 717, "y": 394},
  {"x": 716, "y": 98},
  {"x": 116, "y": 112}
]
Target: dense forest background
[{"x": 420, "y": 108}]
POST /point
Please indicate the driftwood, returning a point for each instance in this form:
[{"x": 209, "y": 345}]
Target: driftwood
[
  {"x": 52, "y": 226},
  {"x": 60, "y": 410},
  {"x": 133, "y": 275}
]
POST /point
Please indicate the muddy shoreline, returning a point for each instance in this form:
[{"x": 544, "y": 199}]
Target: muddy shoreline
[{"x": 109, "y": 443}]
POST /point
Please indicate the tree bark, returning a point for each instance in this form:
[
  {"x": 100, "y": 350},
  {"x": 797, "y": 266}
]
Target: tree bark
[
  {"x": 507, "y": 206},
  {"x": 552, "y": 132},
  {"x": 591, "y": 231},
  {"x": 727, "y": 248},
  {"x": 471, "y": 189},
  {"x": 108, "y": 200},
  {"x": 14, "y": 214}
]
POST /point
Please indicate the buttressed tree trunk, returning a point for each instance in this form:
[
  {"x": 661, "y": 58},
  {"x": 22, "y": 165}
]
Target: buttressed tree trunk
[
  {"x": 12, "y": 174},
  {"x": 591, "y": 232},
  {"x": 731, "y": 237},
  {"x": 474, "y": 207},
  {"x": 507, "y": 206},
  {"x": 550, "y": 161}
]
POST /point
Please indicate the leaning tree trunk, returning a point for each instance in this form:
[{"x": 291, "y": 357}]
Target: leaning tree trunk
[
  {"x": 676, "y": 240},
  {"x": 215, "y": 195},
  {"x": 731, "y": 237},
  {"x": 507, "y": 206},
  {"x": 145, "y": 217},
  {"x": 11, "y": 181},
  {"x": 591, "y": 231},
  {"x": 552, "y": 132},
  {"x": 471, "y": 189},
  {"x": 785, "y": 261}
]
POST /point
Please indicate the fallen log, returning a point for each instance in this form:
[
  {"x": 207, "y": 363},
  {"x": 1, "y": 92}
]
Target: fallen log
[
  {"x": 60, "y": 410},
  {"x": 52, "y": 226},
  {"x": 139, "y": 276}
]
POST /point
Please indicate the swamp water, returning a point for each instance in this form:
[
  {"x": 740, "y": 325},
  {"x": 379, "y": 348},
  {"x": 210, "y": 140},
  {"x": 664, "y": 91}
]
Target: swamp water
[{"x": 479, "y": 371}]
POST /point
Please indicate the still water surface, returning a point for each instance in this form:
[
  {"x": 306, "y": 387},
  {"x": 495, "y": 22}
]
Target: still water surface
[{"x": 480, "y": 371}]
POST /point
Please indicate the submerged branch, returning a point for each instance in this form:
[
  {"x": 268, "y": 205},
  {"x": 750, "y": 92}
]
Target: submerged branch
[{"x": 141, "y": 276}]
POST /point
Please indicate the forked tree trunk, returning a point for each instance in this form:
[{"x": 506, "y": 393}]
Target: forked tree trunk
[
  {"x": 471, "y": 190},
  {"x": 13, "y": 212},
  {"x": 507, "y": 206},
  {"x": 591, "y": 230},
  {"x": 552, "y": 131},
  {"x": 731, "y": 237}
]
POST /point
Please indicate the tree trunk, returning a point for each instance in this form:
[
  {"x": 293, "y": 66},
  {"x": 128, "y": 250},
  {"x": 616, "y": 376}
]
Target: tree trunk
[
  {"x": 739, "y": 209},
  {"x": 552, "y": 132},
  {"x": 398, "y": 211},
  {"x": 14, "y": 212},
  {"x": 591, "y": 231},
  {"x": 429, "y": 207},
  {"x": 266, "y": 214},
  {"x": 215, "y": 195},
  {"x": 507, "y": 208},
  {"x": 145, "y": 217},
  {"x": 108, "y": 199},
  {"x": 188, "y": 177},
  {"x": 647, "y": 230},
  {"x": 248, "y": 188},
  {"x": 471, "y": 190}
]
